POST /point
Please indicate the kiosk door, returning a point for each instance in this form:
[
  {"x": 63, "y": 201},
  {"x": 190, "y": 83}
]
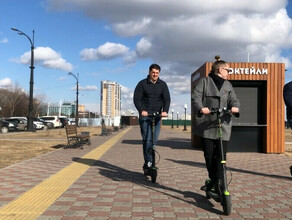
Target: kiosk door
[{"x": 249, "y": 129}]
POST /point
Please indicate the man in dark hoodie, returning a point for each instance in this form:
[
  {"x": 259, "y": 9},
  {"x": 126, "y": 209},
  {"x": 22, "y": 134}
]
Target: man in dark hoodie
[
  {"x": 151, "y": 95},
  {"x": 214, "y": 91}
]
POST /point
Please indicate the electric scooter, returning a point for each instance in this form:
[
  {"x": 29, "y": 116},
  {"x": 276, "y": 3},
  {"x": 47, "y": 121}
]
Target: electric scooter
[
  {"x": 222, "y": 194},
  {"x": 152, "y": 169}
]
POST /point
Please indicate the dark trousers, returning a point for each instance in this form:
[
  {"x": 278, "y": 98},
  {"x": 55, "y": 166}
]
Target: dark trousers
[{"x": 213, "y": 159}]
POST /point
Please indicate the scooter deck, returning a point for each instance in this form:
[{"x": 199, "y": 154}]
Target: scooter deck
[{"x": 213, "y": 195}]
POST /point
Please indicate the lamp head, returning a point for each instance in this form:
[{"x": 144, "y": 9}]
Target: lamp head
[
  {"x": 18, "y": 31},
  {"x": 14, "y": 29}
]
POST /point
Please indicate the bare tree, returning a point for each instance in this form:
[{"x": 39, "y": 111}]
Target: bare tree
[{"x": 13, "y": 101}]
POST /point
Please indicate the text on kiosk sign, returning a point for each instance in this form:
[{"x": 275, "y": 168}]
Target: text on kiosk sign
[
  {"x": 249, "y": 71},
  {"x": 240, "y": 71}
]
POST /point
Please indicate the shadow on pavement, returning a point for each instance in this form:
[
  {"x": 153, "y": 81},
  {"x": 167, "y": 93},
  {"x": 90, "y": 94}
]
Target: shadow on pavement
[
  {"x": 192, "y": 163},
  {"x": 120, "y": 174},
  {"x": 174, "y": 143},
  {"x": 58, "y": 146}
]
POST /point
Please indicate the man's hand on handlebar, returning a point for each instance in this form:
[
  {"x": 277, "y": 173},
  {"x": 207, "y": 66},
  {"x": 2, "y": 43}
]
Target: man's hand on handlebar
[
  {"x": 145, "y": 113},
  {"x": 163, "y": 114},
  {"x": 205, "y": 111},
  {"x": 234, "y": 110}
]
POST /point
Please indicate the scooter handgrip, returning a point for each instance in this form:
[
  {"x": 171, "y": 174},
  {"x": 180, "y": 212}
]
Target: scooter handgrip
[{"x": 236, "y": 115}]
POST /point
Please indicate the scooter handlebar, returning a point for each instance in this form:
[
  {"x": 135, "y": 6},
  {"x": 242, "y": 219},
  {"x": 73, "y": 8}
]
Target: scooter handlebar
[
  {"x": 219, "y": 110},
  {"x": 155, "y": 115}
]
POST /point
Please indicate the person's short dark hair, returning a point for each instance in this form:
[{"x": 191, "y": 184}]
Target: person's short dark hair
[{"x": 154, "y": 66}]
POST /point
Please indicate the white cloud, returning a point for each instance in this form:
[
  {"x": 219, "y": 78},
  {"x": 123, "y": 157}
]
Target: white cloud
[
  {"x": 143, "y": 47},
  {"x": 127, "y": 99},
  {"x": 92, "y": 107},
  {"x": 3, "y": 40},
  {"x": 178, "y": 84},
  {"x": 190, "y": 32},
  {"x": 6, "y": 82},
  {"x": 106, "y": 51},
  {"x": 88, "y": 88},
  {"x": 85, "y": 88},
  {"x": 130, "y": 58},
  {"x": 48, "y": 58},
  {"x": 132, "y": 28},
  {"x": 183, "y": 35}
]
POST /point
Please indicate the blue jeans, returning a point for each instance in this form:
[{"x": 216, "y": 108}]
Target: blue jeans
[{"x": 146, "y": 132}]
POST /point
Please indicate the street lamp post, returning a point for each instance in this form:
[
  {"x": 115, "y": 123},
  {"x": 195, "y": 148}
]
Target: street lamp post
[
  {"x": 177, "y": 119},
  {"x": 31, "y": 82},
  {"x": 185, "y": 125},
  {"x": 77, "y": 92},
  {"x": 172, "y": 118}
]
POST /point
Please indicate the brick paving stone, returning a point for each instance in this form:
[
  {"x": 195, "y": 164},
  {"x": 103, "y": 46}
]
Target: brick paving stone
[{"x": 51, "y": 213}]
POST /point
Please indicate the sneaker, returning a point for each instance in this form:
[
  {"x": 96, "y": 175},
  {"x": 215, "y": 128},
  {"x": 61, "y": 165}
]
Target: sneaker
[
  {"x": 149, "y": 164},
  {"x": 146, "y": 170},
  {"x": 204, "y": 188}
]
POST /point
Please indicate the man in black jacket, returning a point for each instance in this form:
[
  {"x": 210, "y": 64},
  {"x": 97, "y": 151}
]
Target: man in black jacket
[
  {"x": 287, "y": 94},
  {"x": 151, "y": 95}
]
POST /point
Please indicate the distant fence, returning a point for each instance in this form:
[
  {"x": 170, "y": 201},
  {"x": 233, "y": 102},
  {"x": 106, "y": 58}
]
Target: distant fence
[
  {"x": 95, "y": 122},
  {"x": 176, "y": 122}
]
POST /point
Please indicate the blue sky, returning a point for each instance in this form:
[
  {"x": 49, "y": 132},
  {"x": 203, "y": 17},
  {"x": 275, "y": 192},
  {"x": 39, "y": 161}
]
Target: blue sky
[{"x": 117, "y": 40}]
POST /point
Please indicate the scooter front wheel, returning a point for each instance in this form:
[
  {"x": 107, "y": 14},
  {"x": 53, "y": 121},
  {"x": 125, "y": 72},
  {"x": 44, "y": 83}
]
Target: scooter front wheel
[{"x": 226, "y": 203}]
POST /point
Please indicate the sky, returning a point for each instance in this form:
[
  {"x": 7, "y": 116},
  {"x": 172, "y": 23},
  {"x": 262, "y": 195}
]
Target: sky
[{"x": 118, "y": 40}]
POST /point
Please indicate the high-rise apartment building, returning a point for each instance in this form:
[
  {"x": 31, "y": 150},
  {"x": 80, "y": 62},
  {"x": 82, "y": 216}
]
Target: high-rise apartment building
[{"x": 110, "y": 99}]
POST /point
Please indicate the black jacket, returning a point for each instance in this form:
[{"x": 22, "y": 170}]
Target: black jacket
[
  {"x": 287, "y": 94},
  {"x": 152, "y": 97}
]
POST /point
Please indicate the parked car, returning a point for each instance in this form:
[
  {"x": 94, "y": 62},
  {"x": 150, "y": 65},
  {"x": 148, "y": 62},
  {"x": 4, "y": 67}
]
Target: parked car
[
  {"x": 64, "y": 120},
  {"x": 6, "y": 126},
  {"x": 21, "y": 123},
  {"x": 36, "y": 124},
  {"x": 53, "y": 119},
  {"x": 39, "y": 125},
  {"x": 47, "y": 124},
  {"x": 71, "y": 122}
]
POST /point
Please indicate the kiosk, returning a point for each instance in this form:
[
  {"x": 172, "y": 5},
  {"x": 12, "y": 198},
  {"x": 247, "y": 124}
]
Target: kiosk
[{"x": 259, "y": 87}]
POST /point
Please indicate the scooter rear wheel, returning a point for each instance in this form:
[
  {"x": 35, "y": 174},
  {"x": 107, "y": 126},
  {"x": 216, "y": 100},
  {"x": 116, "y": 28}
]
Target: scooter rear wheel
[{"x": 226, "y": 203}]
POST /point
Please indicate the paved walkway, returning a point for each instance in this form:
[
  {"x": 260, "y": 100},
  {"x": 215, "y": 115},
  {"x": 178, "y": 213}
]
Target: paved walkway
[{"x": 105, "y": 181}]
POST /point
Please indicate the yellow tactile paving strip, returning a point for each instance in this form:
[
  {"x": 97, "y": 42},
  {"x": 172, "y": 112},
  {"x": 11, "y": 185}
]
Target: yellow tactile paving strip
[{"x": 35, "y": 201}]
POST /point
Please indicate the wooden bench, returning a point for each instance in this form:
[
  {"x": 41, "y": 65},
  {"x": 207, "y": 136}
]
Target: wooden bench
[{"x": 73, "y": 138}]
